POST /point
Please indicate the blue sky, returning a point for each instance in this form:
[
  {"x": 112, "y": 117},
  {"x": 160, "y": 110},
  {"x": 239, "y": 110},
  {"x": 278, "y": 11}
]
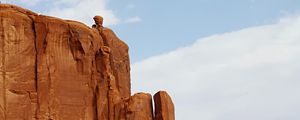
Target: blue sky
[
  {"x": 168, "y": 24},
  {"x": 219, "y": 60}
]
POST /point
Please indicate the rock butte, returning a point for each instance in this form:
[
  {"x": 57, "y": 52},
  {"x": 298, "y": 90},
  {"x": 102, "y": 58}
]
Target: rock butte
[{"x": 54, "y": 69}]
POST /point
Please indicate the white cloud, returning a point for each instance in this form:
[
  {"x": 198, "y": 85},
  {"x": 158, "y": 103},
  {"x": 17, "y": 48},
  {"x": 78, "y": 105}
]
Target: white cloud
[
  {"x": 250, "y": 74},
  {"x": 30, "y": 2},
  {"x": 79, "y": 10},
  {"x": 83, "y": 10},
  {"x": 133, "y": 20},
  {"x": 24, "y": 2}
]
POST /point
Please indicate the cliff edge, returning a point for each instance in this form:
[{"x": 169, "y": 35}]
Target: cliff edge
[{"x": 54, "y": 69}]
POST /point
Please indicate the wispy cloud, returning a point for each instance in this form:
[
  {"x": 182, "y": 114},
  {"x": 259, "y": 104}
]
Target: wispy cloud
[
  {"x": 80, "y": 10},
  {"x": 24, "y": 2},
  {"x": 133, "y": 20},
  {"x": 30, "y": 2},
  {"x": 250, "y": 74},
  {"x": 83, "y": 10}
]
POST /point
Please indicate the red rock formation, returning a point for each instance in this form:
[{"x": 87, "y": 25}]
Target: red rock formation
[
  {"x": 164, "y": 107},
  {"x": 54, "y": 69}
]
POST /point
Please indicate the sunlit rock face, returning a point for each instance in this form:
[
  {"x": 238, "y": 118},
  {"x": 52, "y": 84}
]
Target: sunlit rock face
[{"x": 54, "y": 69}]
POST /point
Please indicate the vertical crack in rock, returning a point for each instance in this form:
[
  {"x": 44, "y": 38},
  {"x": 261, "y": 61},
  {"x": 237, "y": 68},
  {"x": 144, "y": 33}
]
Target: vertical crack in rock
[
  {"x": 35, "y": 69},
  {"x": 102, "y": 85},
  {"x": 95, "y": 103},
  {"x": 40, "y": 45}
]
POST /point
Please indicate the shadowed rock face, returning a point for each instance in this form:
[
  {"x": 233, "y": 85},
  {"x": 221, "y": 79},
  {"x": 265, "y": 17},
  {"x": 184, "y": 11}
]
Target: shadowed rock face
[
  {"x": 54, "y": 69},
  {"x": 164, "y": 107}
]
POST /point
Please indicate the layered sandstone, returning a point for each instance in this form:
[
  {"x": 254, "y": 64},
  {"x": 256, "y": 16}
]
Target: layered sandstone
[{"x": 54, "y": 69}]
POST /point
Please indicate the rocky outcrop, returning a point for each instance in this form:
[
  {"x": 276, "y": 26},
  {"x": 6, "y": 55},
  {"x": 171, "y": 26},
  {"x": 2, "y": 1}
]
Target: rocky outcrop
[
  {"x": 164, "y": 107},
  {"x": 54, "y": 69}
]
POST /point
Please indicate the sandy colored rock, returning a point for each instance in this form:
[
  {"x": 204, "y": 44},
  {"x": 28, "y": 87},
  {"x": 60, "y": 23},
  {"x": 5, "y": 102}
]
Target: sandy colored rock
[
  {"x": 164, "y": 107},
  {"x": 137, "y": 107},
  {"x": 119, "y": 61},
  {"x": 140, "y": 107},
  {"x": 98, "y": 20},
  {"x": 66, "y": 69},
  {"x": 54, "y": 69},
  {"x": 18, "y": 98}
]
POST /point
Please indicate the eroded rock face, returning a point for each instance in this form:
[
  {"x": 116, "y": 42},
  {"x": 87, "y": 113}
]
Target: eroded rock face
[
  {"x": 164, "y": 107},
  {"x": 54, "y": 69}
]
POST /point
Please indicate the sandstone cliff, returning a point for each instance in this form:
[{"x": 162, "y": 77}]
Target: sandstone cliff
[{"x": 54, "y": 69}]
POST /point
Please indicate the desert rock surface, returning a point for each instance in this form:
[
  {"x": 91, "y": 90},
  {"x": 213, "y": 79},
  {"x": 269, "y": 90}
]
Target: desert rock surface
[{"x": 54, "y": 69}]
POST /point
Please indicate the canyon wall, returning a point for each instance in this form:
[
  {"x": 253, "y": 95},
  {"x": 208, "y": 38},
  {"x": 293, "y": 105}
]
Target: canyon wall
[{"x": 54, "y": 69}]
